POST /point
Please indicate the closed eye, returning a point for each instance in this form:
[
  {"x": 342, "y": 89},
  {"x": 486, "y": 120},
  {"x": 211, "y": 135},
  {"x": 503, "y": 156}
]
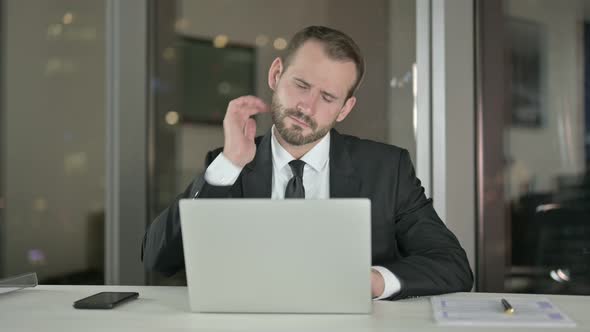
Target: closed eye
[
  {"x": 327, "y": 98},
  {"x": 301, "y": 86}
]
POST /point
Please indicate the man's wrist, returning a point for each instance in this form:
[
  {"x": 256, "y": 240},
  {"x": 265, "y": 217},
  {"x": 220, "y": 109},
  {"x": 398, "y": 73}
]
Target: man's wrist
[
  {"x": 233, "y": 159},
  {"x": 391, "y": 282},
  {"x": 222, "y": 172}
]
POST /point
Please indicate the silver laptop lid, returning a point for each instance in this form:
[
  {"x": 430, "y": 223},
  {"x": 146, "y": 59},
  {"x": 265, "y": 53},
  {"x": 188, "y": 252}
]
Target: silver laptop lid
[{"x": 290, "y": 256}]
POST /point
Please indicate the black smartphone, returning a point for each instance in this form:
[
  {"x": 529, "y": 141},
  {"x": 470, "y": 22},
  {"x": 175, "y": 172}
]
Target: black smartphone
[{"x": 105, "y": 300}]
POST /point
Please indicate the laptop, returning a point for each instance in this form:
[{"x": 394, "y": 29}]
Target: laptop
[{"x": 277, "y": 256}]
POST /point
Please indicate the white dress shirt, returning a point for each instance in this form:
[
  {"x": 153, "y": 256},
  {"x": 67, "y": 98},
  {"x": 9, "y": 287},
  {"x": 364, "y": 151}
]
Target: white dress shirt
[{"x": 316, "y": 180}]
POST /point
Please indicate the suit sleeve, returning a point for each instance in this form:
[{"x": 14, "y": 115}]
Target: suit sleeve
[
  {"x": 433, "y": 261},
  {"x": 162, "y": 249}
]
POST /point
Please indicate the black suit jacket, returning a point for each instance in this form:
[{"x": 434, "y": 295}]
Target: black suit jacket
[{"x": 408, "y": 237}]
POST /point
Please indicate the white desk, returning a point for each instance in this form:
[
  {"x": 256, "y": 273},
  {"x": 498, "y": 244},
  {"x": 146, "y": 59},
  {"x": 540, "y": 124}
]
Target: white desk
[{"x": 49, "y": 308}]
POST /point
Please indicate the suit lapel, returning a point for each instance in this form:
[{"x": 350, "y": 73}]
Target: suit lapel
[
  {"x": 343, "y": 179},
  {"x": 257, "y": 176}
]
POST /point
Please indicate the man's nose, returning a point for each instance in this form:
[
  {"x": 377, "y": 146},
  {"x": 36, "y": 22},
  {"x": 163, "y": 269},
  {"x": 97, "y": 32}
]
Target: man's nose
[{"x": 308, "y": 103}]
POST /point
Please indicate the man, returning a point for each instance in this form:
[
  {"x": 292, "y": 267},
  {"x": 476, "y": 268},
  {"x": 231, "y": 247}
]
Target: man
[{"x": 303, "y": 157}]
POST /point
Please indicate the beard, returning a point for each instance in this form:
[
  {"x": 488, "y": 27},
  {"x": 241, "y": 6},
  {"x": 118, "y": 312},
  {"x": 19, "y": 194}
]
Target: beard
[{"x": 294, "y": 134}]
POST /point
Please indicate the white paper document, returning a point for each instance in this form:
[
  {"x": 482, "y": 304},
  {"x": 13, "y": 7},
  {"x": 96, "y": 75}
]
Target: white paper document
[{"x": 537, "y": 312}]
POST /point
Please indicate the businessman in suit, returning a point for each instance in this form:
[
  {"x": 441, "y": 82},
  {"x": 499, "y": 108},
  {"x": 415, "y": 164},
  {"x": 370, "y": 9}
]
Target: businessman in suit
[{"x": 302, "y": 156}]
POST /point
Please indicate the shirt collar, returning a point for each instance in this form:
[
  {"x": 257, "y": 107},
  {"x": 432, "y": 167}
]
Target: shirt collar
[{"x": 317, "y": 157}]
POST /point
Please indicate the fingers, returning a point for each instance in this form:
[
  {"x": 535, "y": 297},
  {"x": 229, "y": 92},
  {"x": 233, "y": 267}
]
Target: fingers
[
  {"x": 250, "y": 129},
  {"x": 247, "y": 106}
]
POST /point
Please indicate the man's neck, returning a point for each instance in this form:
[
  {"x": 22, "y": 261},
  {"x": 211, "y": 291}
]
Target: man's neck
[{"x": 297, "y": 151}]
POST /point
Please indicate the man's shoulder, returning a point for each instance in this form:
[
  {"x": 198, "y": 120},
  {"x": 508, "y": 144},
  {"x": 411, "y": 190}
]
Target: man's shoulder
[
  {"x": 363, "y": 146},
  {"x": 372, "y": 159}
]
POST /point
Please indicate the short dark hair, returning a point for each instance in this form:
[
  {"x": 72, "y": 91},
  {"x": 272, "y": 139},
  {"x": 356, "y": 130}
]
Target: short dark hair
[{"x": 337, "y": 45}]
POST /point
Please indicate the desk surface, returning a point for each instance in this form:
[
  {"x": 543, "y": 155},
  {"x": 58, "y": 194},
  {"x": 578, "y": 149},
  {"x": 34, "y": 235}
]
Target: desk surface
[{"x": 49, "y": 308}]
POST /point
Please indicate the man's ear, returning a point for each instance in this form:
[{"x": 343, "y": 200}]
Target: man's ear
[
  {"x": 346, "y": 109},
  {"x": 274, "y": 73}
]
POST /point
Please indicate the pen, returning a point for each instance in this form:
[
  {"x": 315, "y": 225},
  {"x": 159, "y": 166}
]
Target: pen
[{"x": 508, "y": 309}]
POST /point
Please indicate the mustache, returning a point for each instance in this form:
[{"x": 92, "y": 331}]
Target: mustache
[{"x": 301, "y": 117}]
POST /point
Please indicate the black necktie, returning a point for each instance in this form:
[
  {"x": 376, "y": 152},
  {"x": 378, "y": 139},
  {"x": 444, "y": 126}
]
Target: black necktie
[{"x": 295, "y": 187}]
